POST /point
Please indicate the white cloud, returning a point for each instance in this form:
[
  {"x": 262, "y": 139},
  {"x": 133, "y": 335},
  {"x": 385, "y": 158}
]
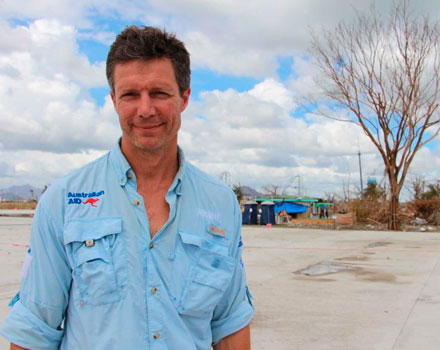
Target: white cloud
[
  {"x": 303, "y": 80},
  {"x": 43, "y": 94},
  {"x": 274, "y": 92},
  {"x": 103, "y": 37},
  {"x": 80, "y": 13},
  {"x": 55, "y": 51},
  {"x": 214, "y": 55},
  {"x": 39, "y": 168}
]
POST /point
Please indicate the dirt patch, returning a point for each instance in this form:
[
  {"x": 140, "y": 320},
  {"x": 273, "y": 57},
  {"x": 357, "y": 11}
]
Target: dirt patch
[
  {"x": 311, "y": 222},
  {"x": 353, "y": 258},
  {"x": 18, "y": 205},
  {"x": 375, "y": 276},
  {"x": 325, "y": 268},
  {"x": 314, "y": 279},
  {"x": 378, "y": 244}
]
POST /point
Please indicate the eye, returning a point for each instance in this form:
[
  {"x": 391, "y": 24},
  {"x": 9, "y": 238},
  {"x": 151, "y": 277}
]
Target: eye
[
  {"x": 128, "y": 94},
  {"x": 160, "y": 94}
]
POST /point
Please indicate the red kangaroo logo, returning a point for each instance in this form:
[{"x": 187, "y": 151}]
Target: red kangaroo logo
[{"x": 92, "y": 202}]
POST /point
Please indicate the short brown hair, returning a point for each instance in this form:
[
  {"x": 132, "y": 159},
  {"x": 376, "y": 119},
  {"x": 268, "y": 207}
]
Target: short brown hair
[{"x": 147, "y": 43}]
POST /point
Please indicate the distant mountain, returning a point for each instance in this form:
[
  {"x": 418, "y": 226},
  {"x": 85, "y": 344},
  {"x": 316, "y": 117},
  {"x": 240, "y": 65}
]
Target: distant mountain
[
  {"x": 20, "y": 193},
  {"x": 249, "y": 192}
]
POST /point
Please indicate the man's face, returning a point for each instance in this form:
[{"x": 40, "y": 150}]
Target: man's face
[{"x": 148, "y": 103}]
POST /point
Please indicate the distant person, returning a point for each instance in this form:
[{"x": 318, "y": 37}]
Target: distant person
[{"x": 138, "y": 249}]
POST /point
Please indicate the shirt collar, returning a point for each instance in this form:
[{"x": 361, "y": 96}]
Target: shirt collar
[
  {"x": 122, "y": 167},
  {"x": 177, "y": 183},
  {"x": 120, "y": 163}
]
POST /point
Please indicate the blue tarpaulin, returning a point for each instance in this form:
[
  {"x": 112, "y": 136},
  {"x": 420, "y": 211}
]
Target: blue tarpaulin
[{"x": 290, "y": 207}]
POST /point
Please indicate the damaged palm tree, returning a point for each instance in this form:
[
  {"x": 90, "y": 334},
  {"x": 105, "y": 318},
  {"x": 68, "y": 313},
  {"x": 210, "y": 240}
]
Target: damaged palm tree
[{"x": 386, "y": 73}]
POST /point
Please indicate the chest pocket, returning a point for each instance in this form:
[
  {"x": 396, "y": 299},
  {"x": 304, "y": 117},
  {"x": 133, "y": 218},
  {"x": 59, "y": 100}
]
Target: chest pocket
[
  {"x": 209, "y": 275},
  {"x": 97, "y": 256}
]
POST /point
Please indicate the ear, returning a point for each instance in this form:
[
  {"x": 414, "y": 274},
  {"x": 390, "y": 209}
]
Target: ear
[
  {"x": 185, "y": 99},
  {"x": 112, "y": 95}
]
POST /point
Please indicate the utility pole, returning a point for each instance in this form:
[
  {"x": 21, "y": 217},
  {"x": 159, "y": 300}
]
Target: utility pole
[
  {"x": 226, "y": 178},
  {"x": 360, "y": 171}
]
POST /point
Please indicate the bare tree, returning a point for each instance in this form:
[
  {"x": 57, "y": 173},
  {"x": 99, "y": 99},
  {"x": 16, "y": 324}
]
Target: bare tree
[
  {"x": 290, "y": 183},
  {"x": 417, "y": 187},
  {"x": 272, "y": 190},
  {"x": 386, "y": 73}
]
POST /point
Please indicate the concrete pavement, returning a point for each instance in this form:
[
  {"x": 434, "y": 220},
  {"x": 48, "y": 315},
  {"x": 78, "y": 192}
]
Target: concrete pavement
[{"x": 386, "y": 294}]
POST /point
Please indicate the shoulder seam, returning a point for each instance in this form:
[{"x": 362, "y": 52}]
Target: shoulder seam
[{"x": 52, "y": 221}]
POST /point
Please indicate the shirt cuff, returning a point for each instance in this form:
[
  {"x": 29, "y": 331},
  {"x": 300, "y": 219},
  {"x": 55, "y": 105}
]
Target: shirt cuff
[
  {"x": 233, "y": 323},
  {"x": 23, "y": 328}
]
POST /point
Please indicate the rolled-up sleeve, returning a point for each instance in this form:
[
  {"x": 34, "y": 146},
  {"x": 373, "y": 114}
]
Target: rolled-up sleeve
[
  {"x": 23, "y": 328},
  {"x": 235, "y": 310},
  {"x": 35, "y": 320}
]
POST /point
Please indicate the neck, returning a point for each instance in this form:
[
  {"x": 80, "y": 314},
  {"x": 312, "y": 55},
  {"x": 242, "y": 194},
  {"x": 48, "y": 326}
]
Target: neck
[{"x": 152, "y": 167}]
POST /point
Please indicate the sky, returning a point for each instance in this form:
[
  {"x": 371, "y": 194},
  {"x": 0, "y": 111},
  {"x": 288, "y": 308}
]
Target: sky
[{"x": 251, "y": 69}]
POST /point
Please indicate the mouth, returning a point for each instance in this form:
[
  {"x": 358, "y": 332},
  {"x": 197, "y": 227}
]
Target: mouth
[{"x": 148, "y": 127}]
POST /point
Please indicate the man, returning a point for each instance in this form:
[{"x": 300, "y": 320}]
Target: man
[{"x": 138, "y": 249}]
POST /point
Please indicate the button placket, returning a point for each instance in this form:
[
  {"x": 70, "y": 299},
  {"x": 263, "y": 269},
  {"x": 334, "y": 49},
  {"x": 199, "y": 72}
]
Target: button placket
[{"x": 153, "y": 284}]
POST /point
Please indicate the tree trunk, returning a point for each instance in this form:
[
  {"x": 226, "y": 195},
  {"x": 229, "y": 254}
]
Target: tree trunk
[{"x": 393, "y": 223}]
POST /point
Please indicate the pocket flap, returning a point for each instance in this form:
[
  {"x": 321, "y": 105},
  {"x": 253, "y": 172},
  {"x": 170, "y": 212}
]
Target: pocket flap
[
  {"x": 83, "y": 230},
  {"x": 207, "y": 243},
  {"x": 190, "y": 238}
]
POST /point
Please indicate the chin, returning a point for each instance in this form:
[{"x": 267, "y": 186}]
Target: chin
[{"x": 149, "y": 145}]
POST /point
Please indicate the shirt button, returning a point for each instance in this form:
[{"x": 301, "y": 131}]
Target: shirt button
[
  {"x": 156, "y": 335},
  {"x": 151, "y": 246},
  {"x": 123, "y": 180},
  {"x": 129, "y": 176},
  {"x": 153, "y": 290},
  {"x": 136, "y": 202}
]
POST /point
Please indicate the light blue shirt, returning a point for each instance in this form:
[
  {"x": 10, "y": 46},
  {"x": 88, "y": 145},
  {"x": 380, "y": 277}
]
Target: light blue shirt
[{"x": 96, "y": 280}]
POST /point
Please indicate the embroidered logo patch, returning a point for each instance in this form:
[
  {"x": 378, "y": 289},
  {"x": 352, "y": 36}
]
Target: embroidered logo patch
[
  {"x": 89, "y": 198},
  {"x": 91, "y": 201},
  {"x": 217, "y": 231},
  {"x": 210, "y": 216}
]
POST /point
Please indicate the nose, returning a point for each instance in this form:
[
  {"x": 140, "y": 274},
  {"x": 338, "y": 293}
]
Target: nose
[{"x": 146, "y": 106}]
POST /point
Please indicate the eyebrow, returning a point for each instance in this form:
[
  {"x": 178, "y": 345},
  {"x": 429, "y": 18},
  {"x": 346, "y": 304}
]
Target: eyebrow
[{"x": 155, "y": 88}]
